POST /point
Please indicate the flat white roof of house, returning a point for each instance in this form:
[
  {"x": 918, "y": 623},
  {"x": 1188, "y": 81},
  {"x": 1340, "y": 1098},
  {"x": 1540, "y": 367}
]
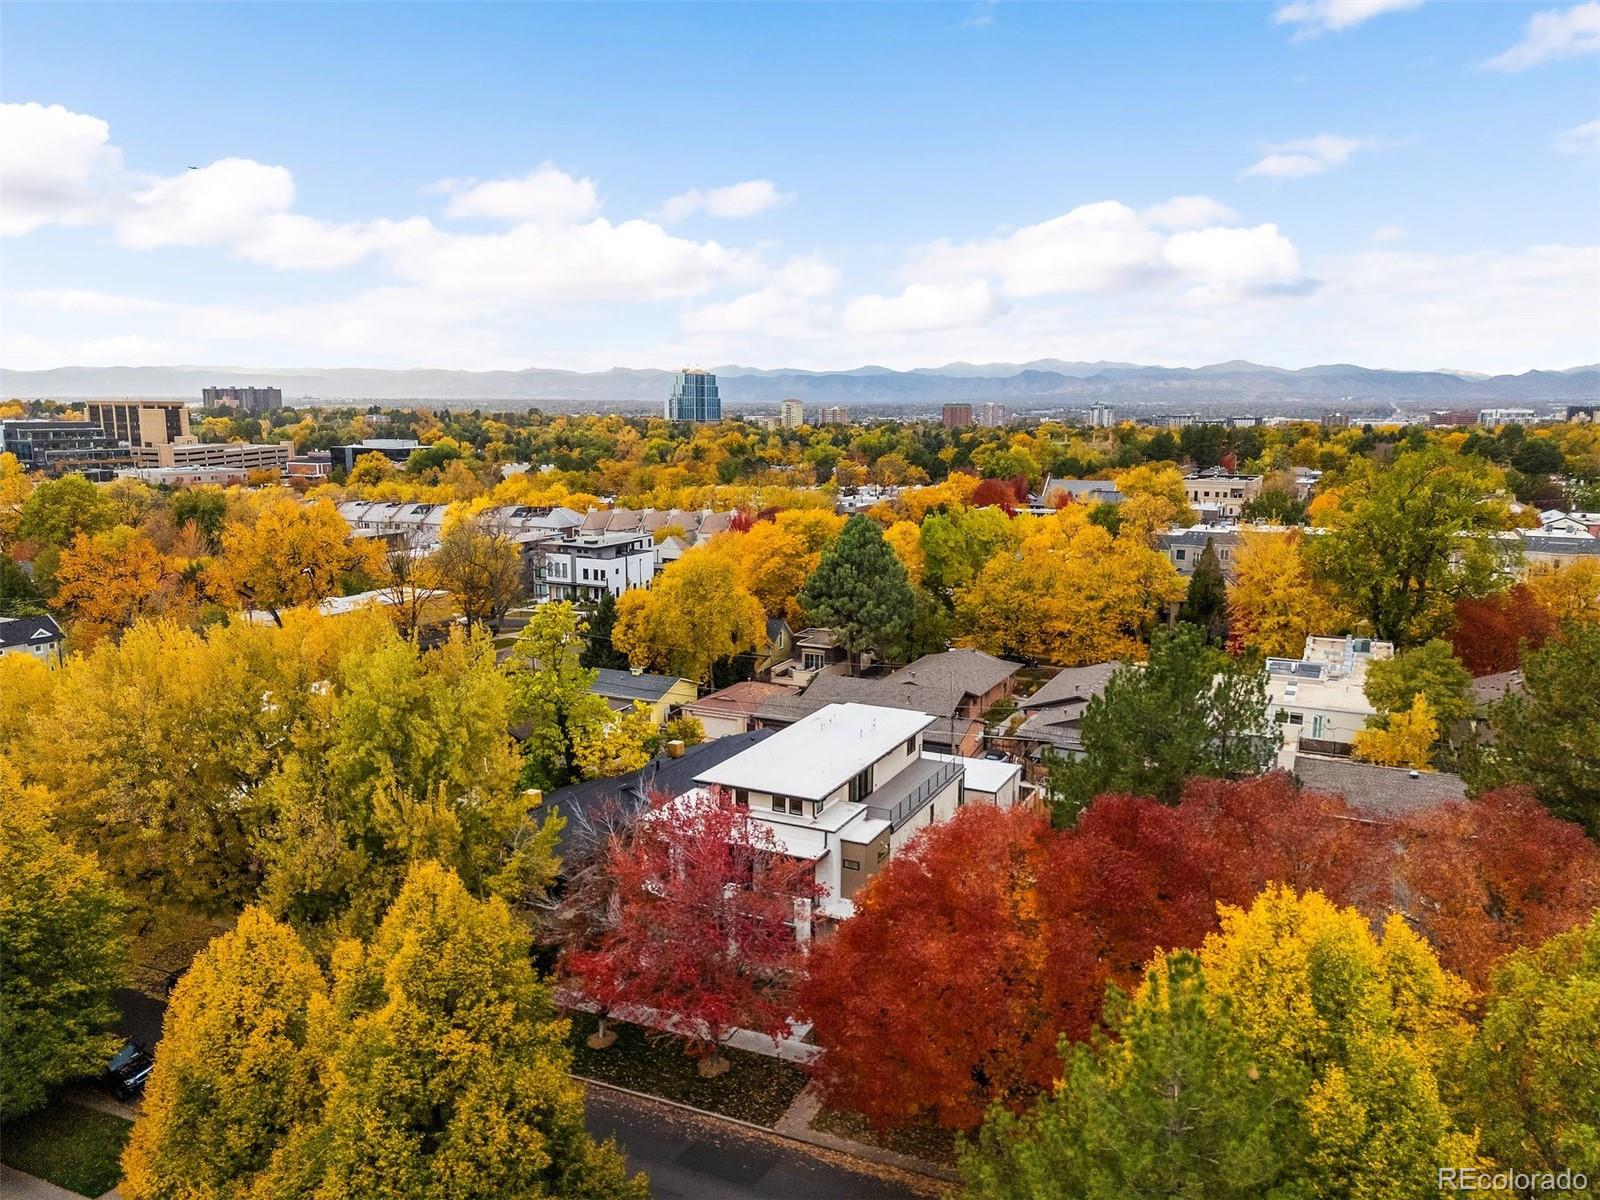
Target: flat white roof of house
[
  {"x": 983, "y": 774},
  {"x": 818, "y": 754}
]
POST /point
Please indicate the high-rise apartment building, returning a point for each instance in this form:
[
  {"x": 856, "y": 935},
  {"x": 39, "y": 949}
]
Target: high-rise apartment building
[
  {"x": 253, "y": 400},
  {"x": 833, "y": 414},
  {"x": 1101, "y": 416},
  {"x": 991, "y": 412},
  {"x": 694, "y": 397},
  {"x": 956, "y": 416},
  {"x": 791, "y": 414},
  {"x": 141, "y": 422}
]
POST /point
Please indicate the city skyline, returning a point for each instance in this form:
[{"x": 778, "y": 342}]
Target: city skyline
[{"x": 1402, "y": 185}]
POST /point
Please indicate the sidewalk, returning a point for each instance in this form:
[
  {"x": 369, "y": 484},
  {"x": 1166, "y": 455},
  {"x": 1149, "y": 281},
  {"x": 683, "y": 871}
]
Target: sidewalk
[
  {"x": 796, "y": 1123},
  {"x": 789, "y": 1049}
]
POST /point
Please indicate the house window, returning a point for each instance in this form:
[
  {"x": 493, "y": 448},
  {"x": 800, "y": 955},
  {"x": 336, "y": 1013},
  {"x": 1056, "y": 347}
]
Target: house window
[
  {"x": 787, "y": 804},
  {"x": 911, "y": 744},
  {"x": 883, "y": 851},
  {"x": 851, "y": 864},
  {"x": 1178, "y": 554},
  {"x": 1297, "y": 719},
  {"x": 811, "y": 660},
  {"x": 861, "y": 785},
  {"x": 741, "y": 797}
]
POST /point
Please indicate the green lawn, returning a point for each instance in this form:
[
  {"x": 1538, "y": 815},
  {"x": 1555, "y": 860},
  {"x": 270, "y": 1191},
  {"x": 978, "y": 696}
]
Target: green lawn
[
  {"x": 72, "y": 1146},
  {"x": 923, "y": 1140},
  {"x": 758, "y": 1089}
]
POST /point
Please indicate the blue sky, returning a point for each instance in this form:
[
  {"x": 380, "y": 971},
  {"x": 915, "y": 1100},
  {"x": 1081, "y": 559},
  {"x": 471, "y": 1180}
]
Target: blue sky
[{"x": 1388, "y": 182}]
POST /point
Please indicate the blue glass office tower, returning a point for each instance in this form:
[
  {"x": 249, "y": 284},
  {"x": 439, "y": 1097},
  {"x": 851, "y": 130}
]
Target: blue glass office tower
[{"x": 694, "y": 397}]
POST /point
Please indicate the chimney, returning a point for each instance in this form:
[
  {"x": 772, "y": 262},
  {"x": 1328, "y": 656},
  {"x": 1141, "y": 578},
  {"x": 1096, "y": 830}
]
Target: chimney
[
  {"x": 636, "y": 670},
  {"x": 675, "y": 748},
  {"x": 1415, "y": 774}
]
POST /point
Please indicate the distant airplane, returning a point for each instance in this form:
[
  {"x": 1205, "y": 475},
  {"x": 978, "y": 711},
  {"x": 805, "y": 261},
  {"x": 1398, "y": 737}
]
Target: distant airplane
[{"x": 194, "y": 168}]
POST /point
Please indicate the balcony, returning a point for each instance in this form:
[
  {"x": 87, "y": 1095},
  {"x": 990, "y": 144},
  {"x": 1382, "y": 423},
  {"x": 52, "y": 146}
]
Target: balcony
[{"x": 901, "y": 798}]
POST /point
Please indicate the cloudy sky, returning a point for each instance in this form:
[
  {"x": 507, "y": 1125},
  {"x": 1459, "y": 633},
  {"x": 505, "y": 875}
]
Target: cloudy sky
[{"x": 1389, "y": 182}]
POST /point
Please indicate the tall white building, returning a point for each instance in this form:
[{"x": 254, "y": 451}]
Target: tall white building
[
  {"x": 1102, "y": 416},
  {"x": 791, "y": 414}
]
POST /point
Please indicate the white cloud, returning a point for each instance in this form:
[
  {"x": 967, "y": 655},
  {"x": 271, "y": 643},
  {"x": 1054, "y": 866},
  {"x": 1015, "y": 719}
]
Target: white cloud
[
  {"x": 1189, "y": 212},
  {"x": 1313, "y": 17},
  {"x": 981, "y": 15},
  {"x": 1553, "y": 34},
  {"x": 213, "y": 206},
  {"x": 786, "y": 307},
  {"x": 744, "y": 199},
  {"x": 1108, "y": 247},
  {"x": 1309, "y": 156},
  {"x": 1580, "y": 139},
  {"x": 1221, "y": 260},
  {"x": 922, "y": 308},
  {"x": 1384, "y": 234},
  {"x": 56, "y": 167},
  {"x": 546, "y": 195}
]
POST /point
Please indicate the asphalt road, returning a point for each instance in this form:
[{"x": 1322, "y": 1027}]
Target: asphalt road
[{"x": 694, "y": 1158}]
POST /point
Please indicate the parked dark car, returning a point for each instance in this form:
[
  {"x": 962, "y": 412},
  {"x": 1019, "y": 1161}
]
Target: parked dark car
[{"x": 127, "y": 1071}]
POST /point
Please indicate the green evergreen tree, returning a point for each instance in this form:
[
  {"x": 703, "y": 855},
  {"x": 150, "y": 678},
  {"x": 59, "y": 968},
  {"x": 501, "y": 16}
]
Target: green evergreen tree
[
  {"x": 1207, "y": 602},
  {"x": 860, "y": 591},
  {"x": 1189, "y": 711},
  {"x": 1546, "y": 737},
  {"x": 1175, "y": 1105},
  {"x": 598, "y": 651}
]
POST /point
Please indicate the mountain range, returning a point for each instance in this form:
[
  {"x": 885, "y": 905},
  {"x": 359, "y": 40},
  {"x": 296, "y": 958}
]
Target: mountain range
[{"x": 1041, "y": 384}]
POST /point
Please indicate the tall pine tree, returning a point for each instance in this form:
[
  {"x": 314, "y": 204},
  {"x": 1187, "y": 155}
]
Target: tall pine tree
[
  {"x": 860, "y": 591},
  {"x": 1207, "y": 602}
]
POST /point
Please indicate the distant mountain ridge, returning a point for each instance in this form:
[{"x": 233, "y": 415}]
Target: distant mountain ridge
[{"x": 1041, "y": 383}]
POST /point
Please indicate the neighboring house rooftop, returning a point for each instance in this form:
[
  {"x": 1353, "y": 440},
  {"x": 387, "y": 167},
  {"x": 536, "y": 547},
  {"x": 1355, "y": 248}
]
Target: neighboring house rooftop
[
  {"x": 18, "y": 632},
  {"x": 625, "y": 685},
  {"x": 960, "y": 672},
  {"x": 818, "y": 754},
  {"x": 1486, "y": 689},
  {"x": 744, "y": 698},
  {"x": 662, "y": 775},
  {"x": 1375, "y": 791},
  {"x": 1073, "y": 684}
]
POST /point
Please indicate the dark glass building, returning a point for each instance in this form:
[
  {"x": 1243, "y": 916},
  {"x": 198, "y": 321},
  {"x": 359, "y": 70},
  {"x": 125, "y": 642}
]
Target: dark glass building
[
  {"x": 694, "y": 397},
  {"x": 56, "y": 447}
]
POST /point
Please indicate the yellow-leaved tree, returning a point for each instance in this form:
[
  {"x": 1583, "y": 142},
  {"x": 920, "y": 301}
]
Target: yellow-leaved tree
[
  {"x": 278, "y": 553},
  {"x": 1070, "y": 594},
  {"x": 1368, "y": 1024},
  {"x": 1275, "y": 603},
  {"x": 1155, "y": 500},
  {"x": 695, "y": 615},
  {"x": 107, "y": 581},
  {"x": 1406, "y": 739},
  {"x": 1569, "y": 593}
]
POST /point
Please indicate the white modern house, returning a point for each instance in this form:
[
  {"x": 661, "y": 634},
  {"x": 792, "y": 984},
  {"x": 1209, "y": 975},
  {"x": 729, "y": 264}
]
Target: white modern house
[
  {"x": 587, "y": 567},
  {"x": 987, "y": 780},
  {"x": 1320, "y": 697},
  {"x": 843, "y": 788}
]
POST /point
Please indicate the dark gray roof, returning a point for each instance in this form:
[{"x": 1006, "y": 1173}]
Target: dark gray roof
[
  {"x": 946, "y": 730},
  {"x": 1552, "y": 544},
  {"x": 632, "y": 791},
  {"x": 1488, "y": 688},
  {"x": 1075, "y": 683},
  {"x": 960, "y": 672},
  {"x": 1378, "y": 791},
  {"x": 16, "y": 632},
  {"x": 625, "y": 685}
]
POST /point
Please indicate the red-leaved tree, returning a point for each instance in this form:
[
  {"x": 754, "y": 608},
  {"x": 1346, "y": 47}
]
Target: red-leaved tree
[
  {"x": 930, "y": 1000},
  {"x": 702, "y": 926},
  {"x": 1004, "y": 494},
  {"x": 1496, "y": 873},
  {"x": 991, "y": 935},
  {"x": 1491, "y": 633}
]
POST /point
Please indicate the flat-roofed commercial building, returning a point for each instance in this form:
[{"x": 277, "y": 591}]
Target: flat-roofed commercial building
[
  {"x": 59, "y": 447},
  {"x": 253, "y": 400},
  {"x": 238, "y": 456},
  {"x": 141, "y": 422}
]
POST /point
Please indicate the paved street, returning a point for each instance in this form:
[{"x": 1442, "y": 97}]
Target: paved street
[{"x": 699, "y": 1159}]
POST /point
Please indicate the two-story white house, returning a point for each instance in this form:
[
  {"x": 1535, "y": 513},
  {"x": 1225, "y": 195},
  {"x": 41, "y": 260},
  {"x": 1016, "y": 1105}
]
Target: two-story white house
[
  {"x": 1319, "y": 700},
  {"x": 843, "y": 788}
]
